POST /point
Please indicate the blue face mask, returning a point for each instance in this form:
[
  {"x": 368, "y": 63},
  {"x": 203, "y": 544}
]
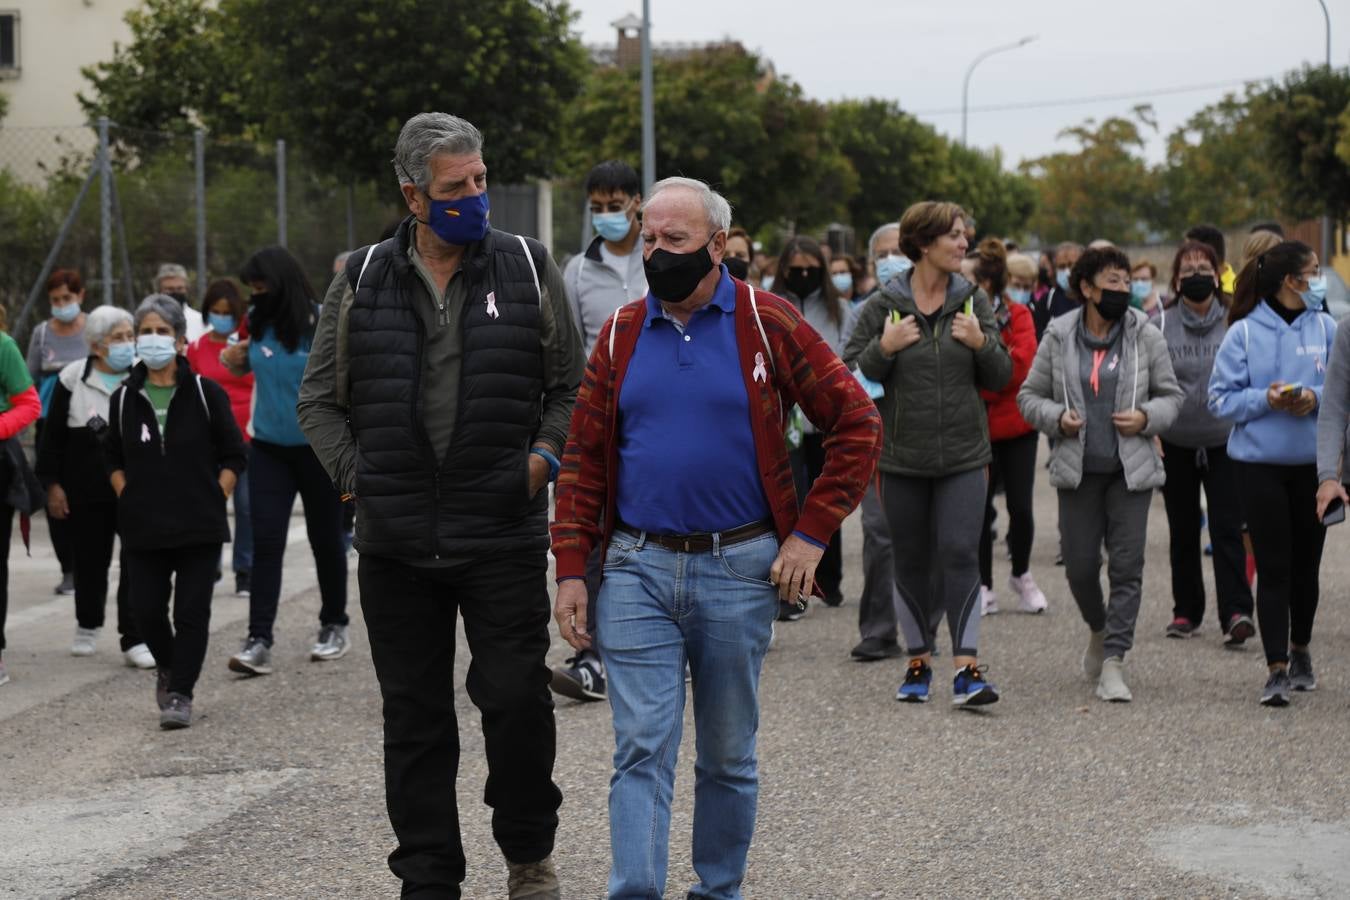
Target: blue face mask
[
  {"x": 221, "y": 324},
  {"x": 1315, "y": 297},
  {"x": 461, "y": 221},
  {"x": 1141, "y": 288},
  {"x": 156, "y": 350},
  {"x": 766, "y": 282},
  {"x": 843, "y": 282},
  {"x": 613, "y": 227},
  {"x": 1062, "y": 279},
  {"x": 121, "y": 356},
  {"x": 889, "y": 267},
  {"x": 1019, "y": 295},
  {"x": 66, "y": 313}
]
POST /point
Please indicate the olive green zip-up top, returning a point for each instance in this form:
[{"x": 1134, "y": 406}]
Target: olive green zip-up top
[{"x": 934, "y": 419}]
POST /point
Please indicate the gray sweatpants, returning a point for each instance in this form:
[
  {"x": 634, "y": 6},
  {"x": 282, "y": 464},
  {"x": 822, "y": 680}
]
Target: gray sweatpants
[
  {"x": 876, "y": 607},
  {"x": 1101, "y": 509},
  {"x": 935, "y": 537}
]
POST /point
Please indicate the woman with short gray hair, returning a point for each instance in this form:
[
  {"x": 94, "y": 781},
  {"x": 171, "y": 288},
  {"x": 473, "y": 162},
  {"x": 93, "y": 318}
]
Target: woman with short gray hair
[{"x": 70, "y": 466}]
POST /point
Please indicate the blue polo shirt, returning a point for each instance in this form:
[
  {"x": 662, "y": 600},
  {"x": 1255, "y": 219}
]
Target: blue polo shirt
[{"x": 686, "y": 450}]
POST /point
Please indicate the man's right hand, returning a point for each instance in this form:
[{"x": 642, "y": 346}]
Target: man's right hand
[{"x": 570, "y": 611}]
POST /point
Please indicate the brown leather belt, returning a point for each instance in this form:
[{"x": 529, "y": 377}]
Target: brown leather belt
[{"x": 703, "y": 541}]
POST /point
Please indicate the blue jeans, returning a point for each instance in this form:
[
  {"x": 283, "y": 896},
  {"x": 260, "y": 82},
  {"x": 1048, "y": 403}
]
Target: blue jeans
[
  {"x": 243, "y": 526},
  {"x": 658, "y": 609}
]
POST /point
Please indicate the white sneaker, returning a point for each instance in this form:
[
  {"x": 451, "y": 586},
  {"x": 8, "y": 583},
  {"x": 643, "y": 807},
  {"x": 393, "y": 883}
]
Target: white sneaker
[
  {"x": 139, "y": 657},
  {"x": 1111, "y": 686},
  {"x": 988, "y": 602},
  {"x": 1030, "y": 598},
  {"x": 85, "y": 640}
]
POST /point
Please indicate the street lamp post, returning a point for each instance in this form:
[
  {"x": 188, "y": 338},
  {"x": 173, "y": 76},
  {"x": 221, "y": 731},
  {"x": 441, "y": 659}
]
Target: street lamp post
[
  {"x": 648, "y": 114},
  {"x": 965, "y": 87}
]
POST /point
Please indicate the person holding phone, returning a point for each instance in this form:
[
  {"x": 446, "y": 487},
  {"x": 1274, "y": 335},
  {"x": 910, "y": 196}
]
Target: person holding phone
[{"x": 1269, "y": 377}]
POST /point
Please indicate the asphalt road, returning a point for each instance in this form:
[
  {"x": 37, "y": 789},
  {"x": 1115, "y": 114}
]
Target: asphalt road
[{"x": 276, "y": 791}]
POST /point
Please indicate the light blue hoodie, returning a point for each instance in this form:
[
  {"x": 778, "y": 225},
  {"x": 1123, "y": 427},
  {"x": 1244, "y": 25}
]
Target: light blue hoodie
[{"x": 1257, "y": 351}]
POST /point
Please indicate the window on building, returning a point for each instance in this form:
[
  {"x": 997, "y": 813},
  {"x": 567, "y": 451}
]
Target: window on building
[{"x": 9, "y": 43}]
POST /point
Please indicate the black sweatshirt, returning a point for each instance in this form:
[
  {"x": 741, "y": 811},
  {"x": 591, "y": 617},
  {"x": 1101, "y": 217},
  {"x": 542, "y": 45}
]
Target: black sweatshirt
[
  {"x": 172, "y": 496},
  {"x": 72, "y": 457}
]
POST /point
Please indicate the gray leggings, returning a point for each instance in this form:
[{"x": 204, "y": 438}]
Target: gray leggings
[{"x": 935, "y": 534}]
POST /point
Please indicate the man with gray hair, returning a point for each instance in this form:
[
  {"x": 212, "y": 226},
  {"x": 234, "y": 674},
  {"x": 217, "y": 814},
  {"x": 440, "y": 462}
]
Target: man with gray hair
[
  {"x": 676, "y": 464},
  {"x": 437, "y": 396},
  {"x": 172, "y": 280}
]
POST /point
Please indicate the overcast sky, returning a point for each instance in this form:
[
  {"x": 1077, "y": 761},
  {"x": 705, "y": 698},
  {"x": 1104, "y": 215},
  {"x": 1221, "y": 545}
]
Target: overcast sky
[{"x": 917, "y": 52}]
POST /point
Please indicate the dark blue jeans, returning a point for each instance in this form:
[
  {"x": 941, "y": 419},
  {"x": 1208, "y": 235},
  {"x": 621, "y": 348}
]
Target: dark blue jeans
[{"x": 276, "y": 475}]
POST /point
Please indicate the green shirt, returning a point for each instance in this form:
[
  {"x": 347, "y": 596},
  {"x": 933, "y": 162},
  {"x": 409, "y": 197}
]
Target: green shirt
[
  {"x": 14, "y": 375},
  {"x": 159, "y": 399}
]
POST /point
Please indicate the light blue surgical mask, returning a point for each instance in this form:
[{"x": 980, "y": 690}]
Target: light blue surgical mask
[
  {"x": 68, "y": 312},
  {"x": 1141, "y": 288},
  {"x": 156, "y": 350},
  {"x": 121, "y": 356},
  {"x": 766, "y": 282},
  {"x": 889, "y": 267},
  {"x": 1062, "y": 279},
  {"x": 1019, "y": 295},
  {"x": 843, "y": 282},
  {"x": 613, "y": 227},
  {"x": 1315, "y": 297},
  {"x": 221, "y": 324}
]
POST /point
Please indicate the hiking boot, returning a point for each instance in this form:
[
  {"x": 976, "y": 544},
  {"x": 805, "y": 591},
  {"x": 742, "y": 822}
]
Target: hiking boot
[
  {"x": 969, "y": 689},
  {"x": 1240, "y": 628},
  {"x": 162, "y": 688},
  {"x": 873, "y": 648},
  {"x": 988, "y": 601},
  {"x": 85, "y": 641},
  {"x": 332, "y": 643},
  {"x": 139, "y": 657},
  {"x": 243, "y": 583},
  {"x": 1277, "y": 689},
  {"x": 1180, "y": 628},
  {"x": 177, "y": 713},
  {"x": 1111, "y": 685},
  {"x": 1301, "y": 677},
  {"x": 1030, "y": 598},
  {"x": 580, "y": 678},
  {"x": 1094, "y": 654},
  {"x": 254, "y": 658},
  {"x": 532, "y": 881},
  {"x": 918, "y": 680}
]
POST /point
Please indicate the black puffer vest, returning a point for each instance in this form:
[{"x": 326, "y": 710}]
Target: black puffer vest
[{"x": 411, "y": 505}]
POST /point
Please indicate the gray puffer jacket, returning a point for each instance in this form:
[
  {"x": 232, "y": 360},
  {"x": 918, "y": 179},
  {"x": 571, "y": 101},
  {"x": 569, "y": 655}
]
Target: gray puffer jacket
[
  {"x": 1147, "y": 383},
  {"x": 934, "y": 418}
]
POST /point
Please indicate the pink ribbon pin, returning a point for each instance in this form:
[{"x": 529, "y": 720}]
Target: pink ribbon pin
[
  {"x": 145, "y": 433},
  {"x": 266, "y": 351},
  {"x": 492, "y": 304},
  {"x": 760, "y": 373}
]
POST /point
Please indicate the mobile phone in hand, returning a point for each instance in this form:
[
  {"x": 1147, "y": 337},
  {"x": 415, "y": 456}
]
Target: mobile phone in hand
[
  {"x": 1335, "y": 513},
  {"x": 1291, "y": 390}
]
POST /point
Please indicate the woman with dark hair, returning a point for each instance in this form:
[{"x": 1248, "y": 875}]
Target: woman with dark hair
[
  {"x": 847, "y": 276},
  {"x": 802, "y": 280},
  {"x": 1268, "y": 380},
  {"x": 1195, "y": 453},
  {"x": 929, "y": 337},
  {"x": 281, "y": 321},
  {"x": 1102, "y": 384},
  {"x": 740, "y": 253},
  {"x": 224, "y": 309}
]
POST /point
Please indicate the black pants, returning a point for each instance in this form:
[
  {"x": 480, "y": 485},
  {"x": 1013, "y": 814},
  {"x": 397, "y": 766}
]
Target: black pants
[
  {"x": 1013, "y": 469},
  {"x": 1280, "y": 504},
  {"x": 410, "y": 617},
  {"x": 94, "y": 528},
  {"x": 1187, "y": 470},
  {"x": 830, "y": 572},
  {"x": 189, "y": 573},
  {"x": 275, "y": 475},
  {"x": 63, "y": 539},
  {"x": 6, "y": 532}
]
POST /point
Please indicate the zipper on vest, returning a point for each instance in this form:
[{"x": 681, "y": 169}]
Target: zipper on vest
[{"x": 436, "y": 513}]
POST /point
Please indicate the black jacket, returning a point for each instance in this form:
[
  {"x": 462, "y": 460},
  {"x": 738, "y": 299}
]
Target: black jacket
[
  {"x": 172, "y": 496},
  {"x": 1053, "y": 305},
  {"x": 72, "y": 457}
]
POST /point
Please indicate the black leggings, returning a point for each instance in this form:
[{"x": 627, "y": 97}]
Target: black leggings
[
  {"x": 94, "y": 526},
  {"x": 1280, "y": 503},
  {"x": 1014, "y": 467},
  {"x": 830, "y": 572},
  {"x": 189, "y": 573}
]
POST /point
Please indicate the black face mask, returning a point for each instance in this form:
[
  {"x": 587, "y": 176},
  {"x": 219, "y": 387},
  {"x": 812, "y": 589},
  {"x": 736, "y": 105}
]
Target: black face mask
[
  {"x": 180, "y": 296},
  {"x": 737, "y": 268},
  {"x": 1113, "y": 304},
  {"x": 803, "y": 280},
  {"x": 1197, "y": 287},
  {"x": 672, "y": 277}
]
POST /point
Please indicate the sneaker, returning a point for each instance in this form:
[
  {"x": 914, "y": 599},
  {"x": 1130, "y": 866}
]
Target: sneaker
[
  {"x": 918, "y": 679},
  {"x": 139, "y": 657},
  {"x": 532, "y": 881},
  {"x": 1094, "y": 654},
  {"x": 1111, "y": 685},
  {"x": 581, "y": 678},
  {"x": 1301, "y": 677},
  {"x": 790, "y": 612},
  {"x": 162, "y": 687},
  {"x": 243, "y": 581},
  {"x": 872, "y": 649},
  {"x": 833, "y": 599},
  {"x": 254, "y": 658},
  {"x": 1240, "y": 628},
  {"x": 85, "y": 641},
  {"x": 969, "y": 689},
  {"x": 1180, "y": 628},
  {"x": 1277, "y": 689},
  {"x": 332, "y": 644},
  {"x": 67, "y": 585},
  {"x": 988, "y": 601},
  {"x": 4, "y": 676},
  {"x": 177, "y": 713},
  {"x": 1030, "y": 598}
]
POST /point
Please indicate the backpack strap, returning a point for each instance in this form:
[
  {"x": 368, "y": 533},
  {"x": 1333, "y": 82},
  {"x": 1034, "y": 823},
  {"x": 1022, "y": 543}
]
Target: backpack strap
[
  {"x": 534, "y": 270},
  {"x": 201, "y": 393}
]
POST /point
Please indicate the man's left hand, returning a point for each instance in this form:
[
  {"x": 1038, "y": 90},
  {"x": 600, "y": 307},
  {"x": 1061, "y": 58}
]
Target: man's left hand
[
  {"x": 538, "y": 473},
  {"x": 794, "y": 571}
]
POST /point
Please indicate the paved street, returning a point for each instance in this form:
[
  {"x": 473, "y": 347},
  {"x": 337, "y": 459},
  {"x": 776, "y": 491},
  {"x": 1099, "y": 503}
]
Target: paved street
[{"x": 276, "y": 791}]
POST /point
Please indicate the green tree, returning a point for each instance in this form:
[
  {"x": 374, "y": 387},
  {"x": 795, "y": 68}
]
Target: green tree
[
  {"x": 1302, "y": 121},
  {"x": 1001, "y": 203}
]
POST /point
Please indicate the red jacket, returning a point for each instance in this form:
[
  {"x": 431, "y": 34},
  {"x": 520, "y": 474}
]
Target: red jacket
[
  {"x": 1019, "y": 336},
  {"x": 203, "y": 355},
  {"x": 801, "y": 370}
]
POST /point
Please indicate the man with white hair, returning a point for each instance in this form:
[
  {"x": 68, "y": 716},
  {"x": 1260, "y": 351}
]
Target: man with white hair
[
  {"x": 437, "y": 396},
  {"x": 676, "y": 464},
  {"x": 172, "y": 280}
]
